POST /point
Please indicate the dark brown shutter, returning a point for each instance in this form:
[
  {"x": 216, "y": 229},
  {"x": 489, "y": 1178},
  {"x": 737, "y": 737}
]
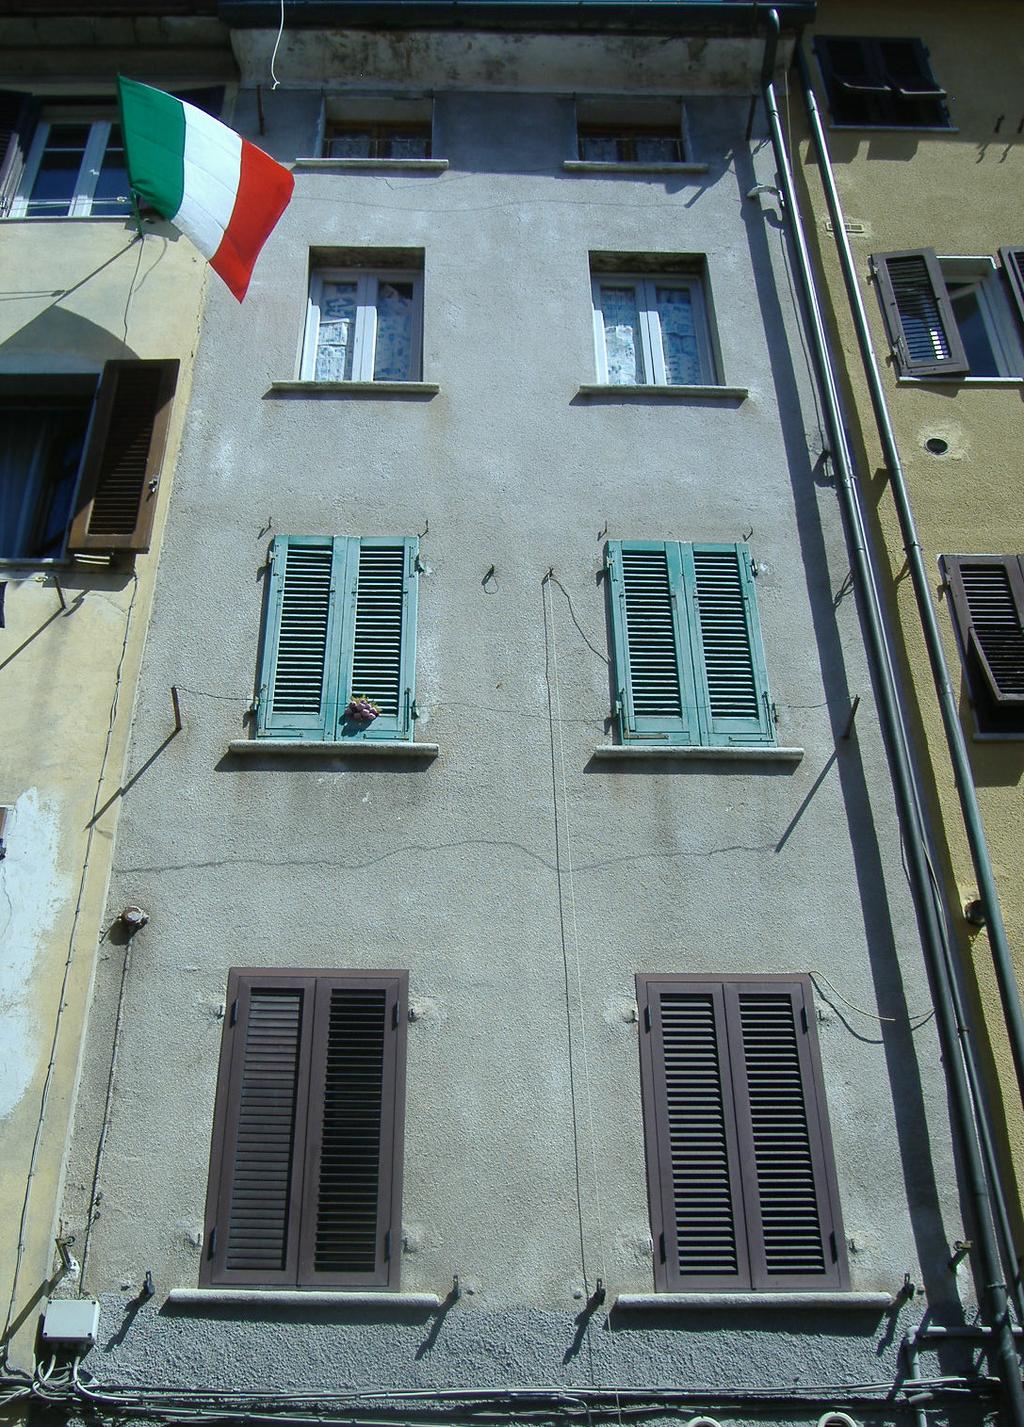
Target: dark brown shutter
[
  {"x": 1012, "y": 260},
  {"x": 919, "y": 315},
  {"x": 988, "y": 601},
  {"x": 740, "y": 1175},
  {"x": 259, "y": 1131},
  {"x": 19, "y": 114},
  {"x": 121, "y": 470},
  {"x": 351, "y": 1203}
]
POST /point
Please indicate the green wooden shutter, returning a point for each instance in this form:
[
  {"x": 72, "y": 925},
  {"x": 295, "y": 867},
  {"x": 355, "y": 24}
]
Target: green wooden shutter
[
  {"x": 298, "y": 681},
  {"x": 378, "y": 654},
  {"x": 729, "y": 666},
  {"x": 655, "y": 699}
]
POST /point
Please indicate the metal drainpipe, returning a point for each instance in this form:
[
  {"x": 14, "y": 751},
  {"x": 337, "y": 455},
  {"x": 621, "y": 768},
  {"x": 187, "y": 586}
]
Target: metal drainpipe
[
  {"x": 940, "y": 670},
  {"x": 988, "y": 1280}
]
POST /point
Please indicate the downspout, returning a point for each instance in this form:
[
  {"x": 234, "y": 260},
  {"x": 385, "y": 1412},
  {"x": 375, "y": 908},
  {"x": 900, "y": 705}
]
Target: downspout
[
  {"x": 988, "y": 1279},
  {"x": 940, "y": 672},
  {"x": 929, "y": 623}
]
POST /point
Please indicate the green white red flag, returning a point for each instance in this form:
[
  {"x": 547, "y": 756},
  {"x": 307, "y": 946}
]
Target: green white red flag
[{"x": 222, "y": 192}]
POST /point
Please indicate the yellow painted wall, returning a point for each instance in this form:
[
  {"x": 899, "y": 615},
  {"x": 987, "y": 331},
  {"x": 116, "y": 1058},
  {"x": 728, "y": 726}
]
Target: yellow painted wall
[
  {"x": 960, "y": 193},
  {"x": 75, "y": 294}
]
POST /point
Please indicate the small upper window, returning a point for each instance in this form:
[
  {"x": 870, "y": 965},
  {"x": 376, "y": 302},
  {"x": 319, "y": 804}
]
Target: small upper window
[
  {"x": 642, "y": 131},
  {"x": 377, "y": 141},
  {"x": 651, "y": 330},
  {"x": 363, "y": 326},
  {"x": 883, "y": 83},
  {"x": 75, "y": 168}
]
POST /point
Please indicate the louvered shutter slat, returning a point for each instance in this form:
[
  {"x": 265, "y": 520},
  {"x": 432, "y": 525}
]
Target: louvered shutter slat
[
  {"x": 919, "y": 315},
  {"x": 990, "y": 596},
  {"x": 648, "y": 632},
  {"x": 727, "y": 640},
  {"x": 299, "y": 662},
  {"x": 380, "y": 638}
]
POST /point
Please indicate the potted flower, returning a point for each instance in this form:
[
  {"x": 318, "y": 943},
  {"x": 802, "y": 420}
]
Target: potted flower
[{"x": 362, "y": 709}]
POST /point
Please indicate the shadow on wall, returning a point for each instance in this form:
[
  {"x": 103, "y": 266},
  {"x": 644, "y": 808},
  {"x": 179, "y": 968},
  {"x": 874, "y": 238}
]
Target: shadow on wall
[
  {"x": 768, "y": 241},
  {"x": 60, "y": 341}
]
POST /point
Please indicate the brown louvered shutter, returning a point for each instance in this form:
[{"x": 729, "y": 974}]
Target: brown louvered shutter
[
  {"x": 117, "y": 494},
  {"x": 741, "y": 1181},
  {"x": 259, "y": 1131},
  {"x": 919, "y": 315},
  {"x": 1012, "y": 260},
  {"x": 352, "y": 1196},
  {"x": 988, "y": 600}
]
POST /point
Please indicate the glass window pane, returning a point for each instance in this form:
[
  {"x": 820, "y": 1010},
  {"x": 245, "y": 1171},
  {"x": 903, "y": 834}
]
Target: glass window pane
[
  {"x": 973, "y": 333},
  {"x": 40, "y": 452},
  {"x": 353, "y": 144},
  {"x": 336, "y": 338},
  {"x": 657, "y": 150},
  {"x": 393, "y": 355},
  {"x": 57, "y": 178},
  {"x": 678, "y": 336},
  {"x": 622, "y": 340},
  {"x": 110, "y": 195}
]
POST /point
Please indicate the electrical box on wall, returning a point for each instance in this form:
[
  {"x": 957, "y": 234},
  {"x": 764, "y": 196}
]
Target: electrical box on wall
[{"x": 71, "y": 1323}]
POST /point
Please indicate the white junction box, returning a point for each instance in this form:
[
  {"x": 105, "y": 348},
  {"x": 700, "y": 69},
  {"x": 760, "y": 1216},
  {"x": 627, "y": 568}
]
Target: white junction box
[{"x": 71, "y": 1323}]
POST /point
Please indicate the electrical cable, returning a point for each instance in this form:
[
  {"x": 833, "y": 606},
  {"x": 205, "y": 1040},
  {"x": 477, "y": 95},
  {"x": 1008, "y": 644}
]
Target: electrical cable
[{"x": 273, "y": 57}]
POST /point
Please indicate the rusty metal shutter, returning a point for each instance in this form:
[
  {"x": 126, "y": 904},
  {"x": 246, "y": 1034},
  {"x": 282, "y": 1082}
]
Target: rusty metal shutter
[{"x": 117, "y": 494}]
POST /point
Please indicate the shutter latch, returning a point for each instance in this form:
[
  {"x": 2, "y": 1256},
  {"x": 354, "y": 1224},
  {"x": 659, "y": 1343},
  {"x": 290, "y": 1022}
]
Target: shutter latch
[{"x": 153, "y": 485}]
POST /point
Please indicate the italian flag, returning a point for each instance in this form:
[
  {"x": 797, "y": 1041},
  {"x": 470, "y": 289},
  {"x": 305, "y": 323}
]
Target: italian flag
[{"x": 222, "y": 192}]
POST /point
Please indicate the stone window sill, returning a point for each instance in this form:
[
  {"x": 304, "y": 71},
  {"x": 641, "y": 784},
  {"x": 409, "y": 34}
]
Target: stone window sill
[
  {"x": 371, "y": 165},
  {"x": 299, "y": 1298},
  {"x": 342, "y": 748},
  {"x": 850, "y": 1302},
  {"x": 355, "y": 388},
  {"x": 593, "y": 166},
  {"x": 959, "y": 381},
  {"x": 677, "y": 393},
  {"x": 724, "y": 753}
]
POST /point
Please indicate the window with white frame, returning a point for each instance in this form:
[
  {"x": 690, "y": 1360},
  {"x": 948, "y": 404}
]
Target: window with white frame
[
  {"x": 651, "y": 330},
  {"x": 983, "y": 317},
  {"x": 75, "y": 168},
  {"x": 363, "y": 326}
]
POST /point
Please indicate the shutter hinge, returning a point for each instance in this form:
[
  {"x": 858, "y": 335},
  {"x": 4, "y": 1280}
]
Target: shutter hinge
[
  {"x": 833, "y": 1246},
  {"x": 647, "y": 1018},
  {"x": 234, "y": 1012},
  {"x": 396, "y": 1015},
  {"x": 414, "y": 710},
  {"x": 418, "y": 567},
  {"x": 211, "y": 1247},
  {"x": 387, "y": 1245},
  {"x": 803, "y": 1017},
  {"x": 154, "y": 485},
  {"x": 661, "y": 1246}
]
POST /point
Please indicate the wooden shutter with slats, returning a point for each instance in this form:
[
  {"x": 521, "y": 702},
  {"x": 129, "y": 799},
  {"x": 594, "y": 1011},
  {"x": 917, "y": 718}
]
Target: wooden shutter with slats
[
  {"x": 1012, "y": 260},
  {"x": 378, "y": 655},
  {"x": 305, "y": 1169},
  {"x": 726, "y": 634},
  {"x": 741, "y": 1181},
  {"x": 988, "y": 602},
  {"x": 918, "y": 314},
  {"x": 117, "y": 493}
]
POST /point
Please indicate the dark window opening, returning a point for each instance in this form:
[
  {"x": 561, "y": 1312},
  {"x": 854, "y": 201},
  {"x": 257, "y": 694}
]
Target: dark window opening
[
  {"x": 41, "y": 443},
  {"x": 378, "y": 141},
  {"x": 885, "y": 83}
]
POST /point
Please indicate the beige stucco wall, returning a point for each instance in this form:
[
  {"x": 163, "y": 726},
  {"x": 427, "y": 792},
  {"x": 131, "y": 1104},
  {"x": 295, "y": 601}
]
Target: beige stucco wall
[
  {"x": 960, "y": 193},
  {"x": 75, "y": 295}
]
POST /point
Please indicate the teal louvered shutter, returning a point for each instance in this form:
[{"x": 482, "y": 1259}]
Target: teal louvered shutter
[
  {"x": 378, "y": 655},
  {"x": 298, "y": 669},
  {"x": 655, "y": 699},
  {"x": 725, "y": 636}
]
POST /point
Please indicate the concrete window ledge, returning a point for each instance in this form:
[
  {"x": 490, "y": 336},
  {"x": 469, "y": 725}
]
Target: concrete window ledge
[
  {"x": 378, "y": 165},
  {"x": 613, "y": 752},
  {"x": 593, "y": 166},
  {"x": 354, "y": 388},
  {"x": 297, "y": 1298},
  {"x": 343, "y": 748},
  {"x": 849, "y": 1302},
  {"x": 677, "y": 393}
]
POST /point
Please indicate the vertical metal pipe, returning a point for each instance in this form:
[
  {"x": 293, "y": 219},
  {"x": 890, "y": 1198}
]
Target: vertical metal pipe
[
  {"x": 991, "y": 1288},
  {"x": 1001, "y": 957}
]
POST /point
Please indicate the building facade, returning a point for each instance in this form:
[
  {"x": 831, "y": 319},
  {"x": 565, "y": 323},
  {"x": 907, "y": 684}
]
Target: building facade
[
  {"x": 940, "y": 285},
  {"x": 531, "y": 1000}
]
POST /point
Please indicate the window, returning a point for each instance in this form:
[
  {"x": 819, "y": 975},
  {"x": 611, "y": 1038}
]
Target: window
[
  {"x": 885, "y": 83},
  {"x": 689, "y": 666},
  {"x": 651, "y": 331},
  {"x": 740, "y": 1176},
  {"x": 643, "y": 131},
  {"x": 306, "y": 1159},
  {"x": 340, "y": 626},
  {"x": 80, "y": 465},
  {"x": 384, "y": 140},
  {"x": 951, "y": 317},
  {"x": 363, "y": 326},
  {"x": 987, "y": 594}
]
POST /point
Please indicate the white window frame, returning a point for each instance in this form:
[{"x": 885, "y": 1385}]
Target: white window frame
[
  {"x": 365, "y": 338},
  {"x": 653, "y": 350},
  {"x": 88, "y": 173},
  {"x": 982, "y": 274}
]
